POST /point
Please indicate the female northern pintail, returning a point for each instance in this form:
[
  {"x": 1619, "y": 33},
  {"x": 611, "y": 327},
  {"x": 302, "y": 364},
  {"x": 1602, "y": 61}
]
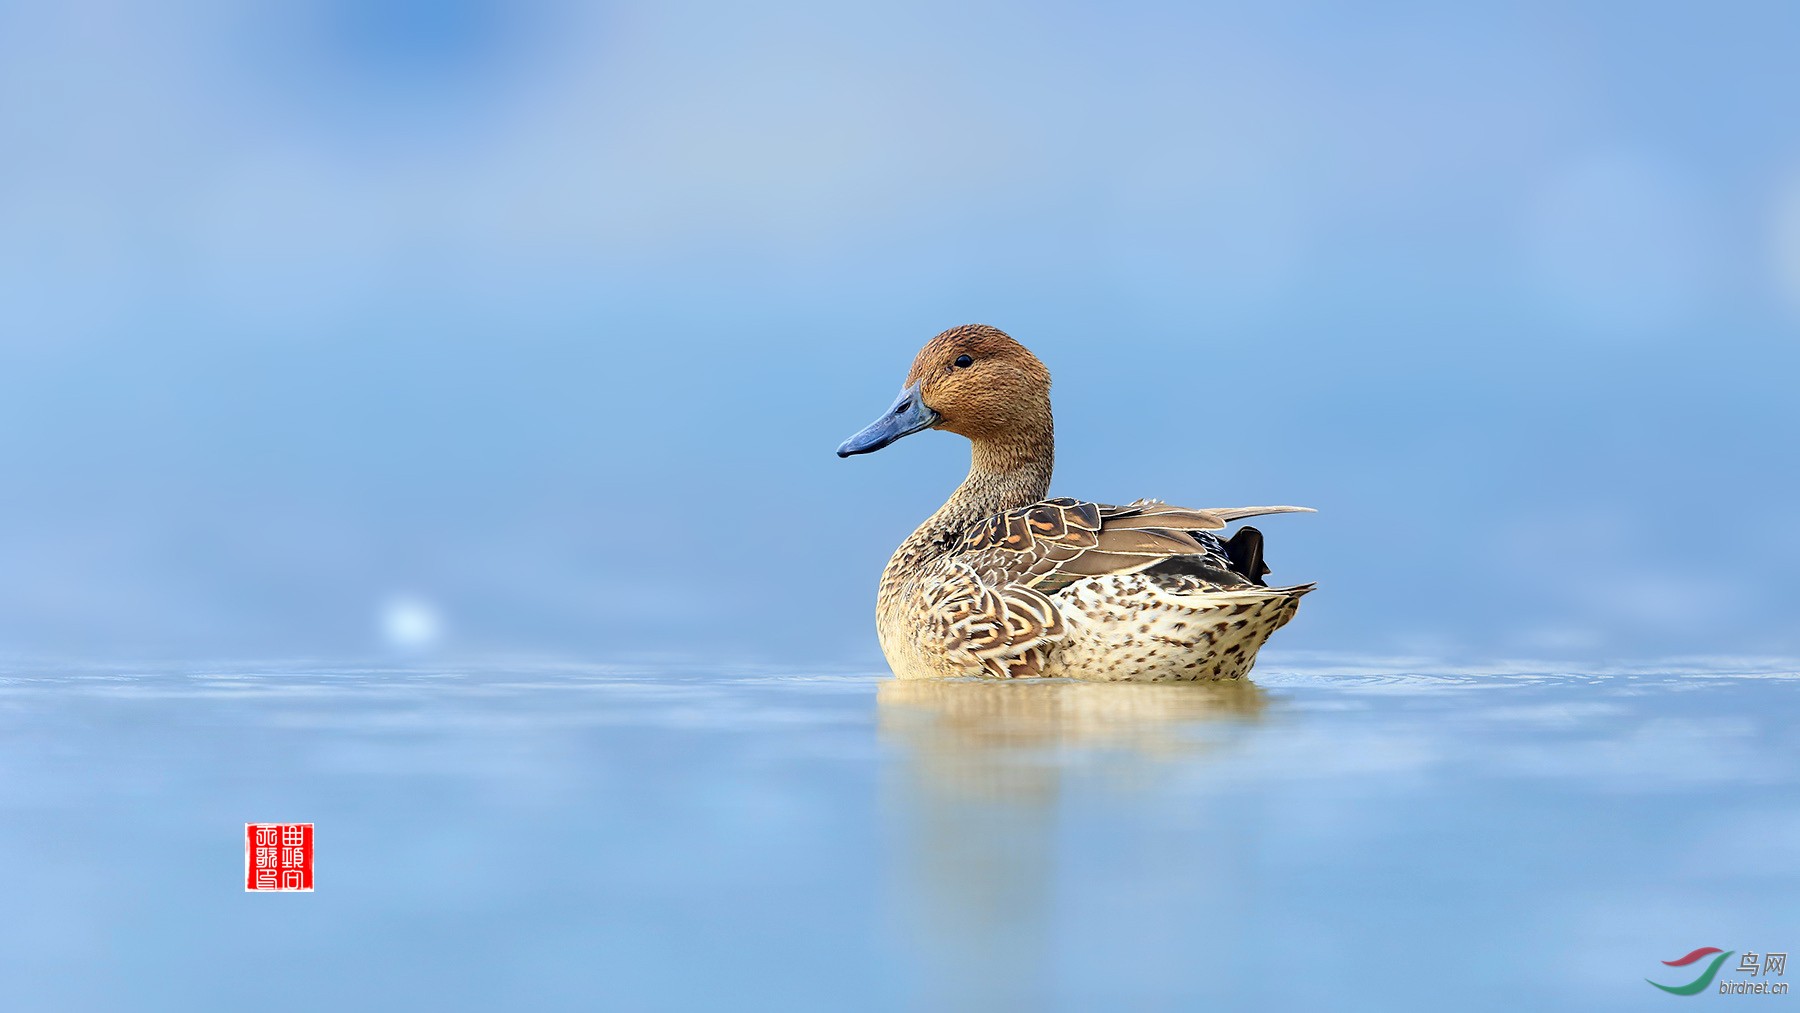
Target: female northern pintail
[{"x": 1004, "y": 582}]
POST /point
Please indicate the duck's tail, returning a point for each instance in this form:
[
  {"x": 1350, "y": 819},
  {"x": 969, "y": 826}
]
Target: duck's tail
[{"x": 1245, "y": 550}]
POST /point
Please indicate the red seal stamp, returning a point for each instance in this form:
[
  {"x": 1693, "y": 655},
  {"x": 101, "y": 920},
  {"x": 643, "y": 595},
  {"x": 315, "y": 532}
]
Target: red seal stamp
[{"x": 278, "y": 857}]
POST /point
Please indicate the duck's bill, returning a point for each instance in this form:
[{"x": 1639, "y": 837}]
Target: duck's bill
[{"x": 907, "y": 415}]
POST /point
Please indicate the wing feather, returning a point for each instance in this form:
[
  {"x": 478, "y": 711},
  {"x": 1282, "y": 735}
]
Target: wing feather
[
  {"x": 995, "y": 606},
  {"x": 1051, "y": 544}
]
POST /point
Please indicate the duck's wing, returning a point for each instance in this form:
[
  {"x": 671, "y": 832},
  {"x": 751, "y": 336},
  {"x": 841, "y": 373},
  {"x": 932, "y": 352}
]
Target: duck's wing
[
  {"x": 1049, "y": 545},
  {"x": 993, "y": 605}
]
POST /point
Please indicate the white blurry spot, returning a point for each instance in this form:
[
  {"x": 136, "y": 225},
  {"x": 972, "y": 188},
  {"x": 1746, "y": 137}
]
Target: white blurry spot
[
  {"x": 1620, "y": 245},
  {"x": 409, "y": 623},
  {"x": 1787, "y": 244}
]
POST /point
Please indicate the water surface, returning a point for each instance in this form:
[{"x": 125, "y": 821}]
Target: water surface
[{"x": 535, "y": 835}]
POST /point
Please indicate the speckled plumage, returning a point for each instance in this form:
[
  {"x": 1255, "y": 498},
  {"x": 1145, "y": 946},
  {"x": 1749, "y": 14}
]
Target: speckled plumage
[{"x": 1003, "y": 582}]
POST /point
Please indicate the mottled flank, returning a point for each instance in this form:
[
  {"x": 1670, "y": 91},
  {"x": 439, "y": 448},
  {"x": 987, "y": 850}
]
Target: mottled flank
[{"x": 1004, "y": 582}]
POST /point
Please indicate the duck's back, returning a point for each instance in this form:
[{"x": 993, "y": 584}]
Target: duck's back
[{"x": 1069, "y": 588}]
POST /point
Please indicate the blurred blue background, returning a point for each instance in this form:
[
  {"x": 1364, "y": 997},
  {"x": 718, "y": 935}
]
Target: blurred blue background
[{"x": 331, "y": 326}]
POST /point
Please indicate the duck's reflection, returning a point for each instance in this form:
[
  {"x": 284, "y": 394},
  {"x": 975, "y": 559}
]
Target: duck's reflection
[
  {"x": 977, "y": 805},
  {"x": 970, "y": 719}
]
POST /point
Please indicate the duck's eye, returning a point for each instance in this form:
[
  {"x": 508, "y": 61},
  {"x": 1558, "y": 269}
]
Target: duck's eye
[{"x": 964, "y": 361}]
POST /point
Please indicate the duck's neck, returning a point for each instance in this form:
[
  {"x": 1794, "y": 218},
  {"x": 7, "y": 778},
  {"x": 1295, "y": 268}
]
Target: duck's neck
[{"x": 1004, "y": 473}]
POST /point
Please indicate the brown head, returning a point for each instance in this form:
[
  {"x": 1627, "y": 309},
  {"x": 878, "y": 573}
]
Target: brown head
[{"x": 974, "y": 381}]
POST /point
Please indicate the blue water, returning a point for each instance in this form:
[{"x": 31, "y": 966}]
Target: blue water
[{"x": 534, "y": 835}]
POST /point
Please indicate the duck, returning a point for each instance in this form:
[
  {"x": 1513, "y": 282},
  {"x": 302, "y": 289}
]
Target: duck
[{"x": 1004, "y": 582}]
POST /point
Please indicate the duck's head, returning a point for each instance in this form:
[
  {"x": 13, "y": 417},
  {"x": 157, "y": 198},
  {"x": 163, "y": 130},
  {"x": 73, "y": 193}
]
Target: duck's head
[{"x": 974, "y": 381}]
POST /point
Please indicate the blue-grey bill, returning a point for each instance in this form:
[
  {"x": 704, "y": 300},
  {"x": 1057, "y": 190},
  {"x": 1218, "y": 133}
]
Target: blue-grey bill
[{"x": 907, "y": 415}]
